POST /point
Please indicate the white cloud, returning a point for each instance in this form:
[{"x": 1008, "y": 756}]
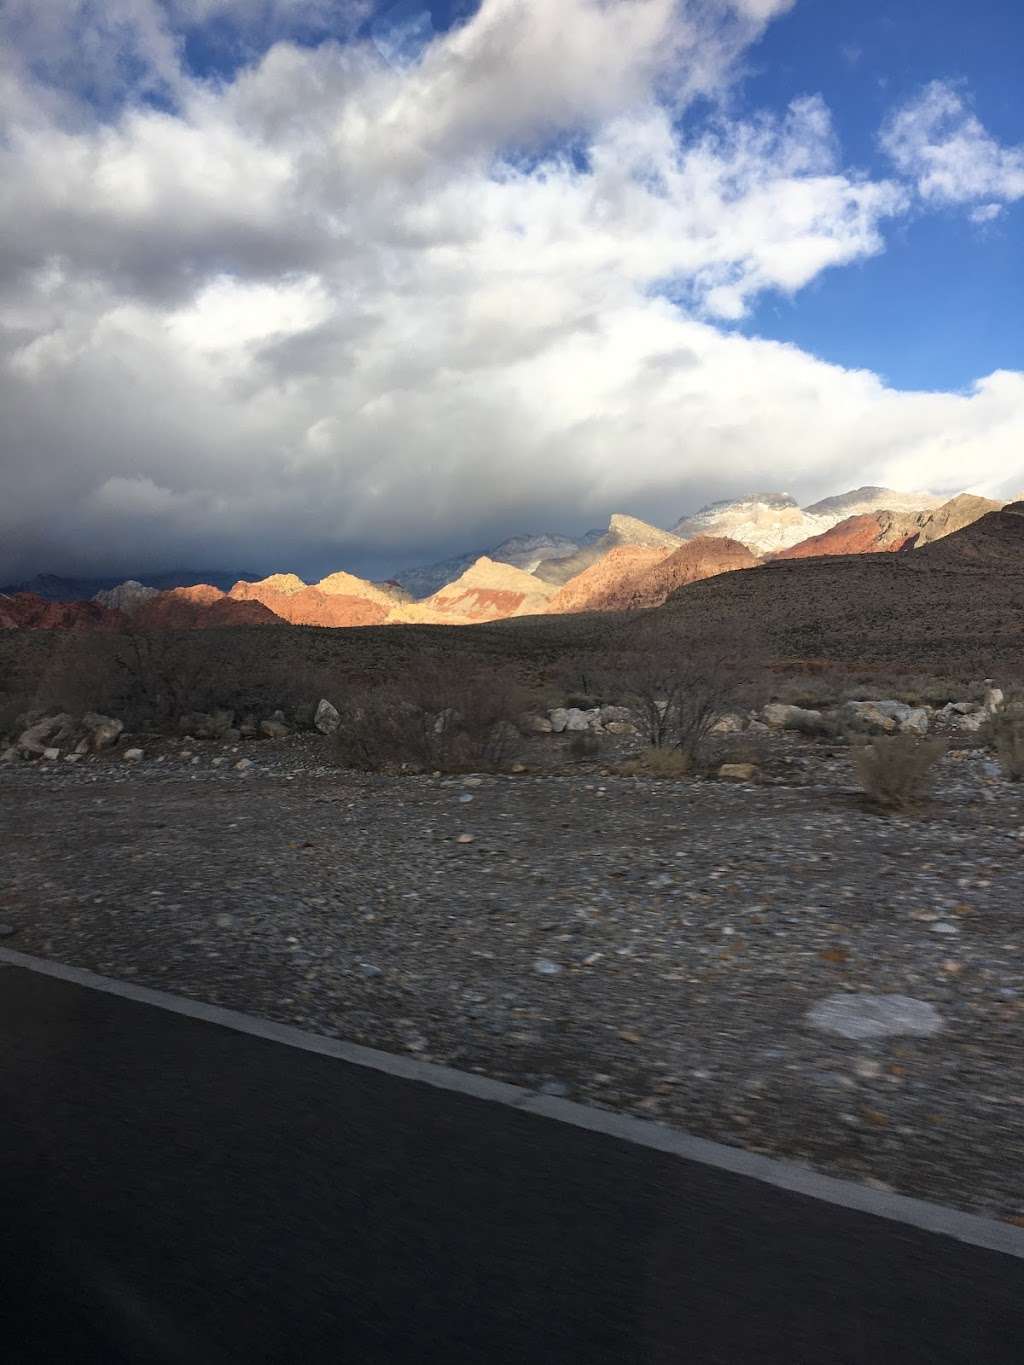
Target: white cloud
[
  {"x": 333, "y": 302},
  {"x": 937, "y": 142}
]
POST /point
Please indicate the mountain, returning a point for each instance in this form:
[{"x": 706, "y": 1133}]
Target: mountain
[
  {"x": 995, "y": 540},
  {"x": 604, "y": 578},
  {"x": 29, "y": 611},
  {"x": 55, "y": 588},
  {"x": 128, "y": 596},
  {"x": 869, "y": 533},
  {"x": 341, "y": 599},
  {"x": 200, "y": 607},
  {"x": 524, "y": 552},
  {"x": 952, "y": 607},
  {"x": 622, "y": 530},
  {"x": 953, "y": 516},
  {"x": 487, "y": 591},
  {"x": 631, "y": 579},
  {"x": 871, "y": 498},
  {"x": 888, "y": 531},
  {"x": 770, "y": 522}
]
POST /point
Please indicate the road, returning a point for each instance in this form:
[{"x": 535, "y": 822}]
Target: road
[{"x": 175, "y": 1191}]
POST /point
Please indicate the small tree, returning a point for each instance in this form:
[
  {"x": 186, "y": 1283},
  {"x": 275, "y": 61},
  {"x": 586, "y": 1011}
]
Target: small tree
[{"x": 679, "y": 687}]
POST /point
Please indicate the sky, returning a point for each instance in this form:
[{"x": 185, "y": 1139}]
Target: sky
[{"x": 316, "y": 284}]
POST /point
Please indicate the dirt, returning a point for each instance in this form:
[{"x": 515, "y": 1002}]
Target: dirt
[{"x": 651, "y": 946}]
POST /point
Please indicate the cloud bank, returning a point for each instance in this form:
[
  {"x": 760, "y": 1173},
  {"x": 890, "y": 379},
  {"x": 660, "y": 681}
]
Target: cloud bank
[{"x": 320, "y": 308}]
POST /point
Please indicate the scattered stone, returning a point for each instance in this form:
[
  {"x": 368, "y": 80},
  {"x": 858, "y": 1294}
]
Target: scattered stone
[
  {"x": 465, "y": 838},
  {"x": 51, "y": 755},
  {"x": 133, "y": 755},
  {"x": 243, "y": 765},
  {"x": 472, "y": 782},
  {"x": 536, "y": 725},
  {"x": 943, "y": 927},
  {"x": 731, "y": 724},
  {"x": 465, "y": 798},
  {"x": 867, "y": 1069},
  {"x": 327, "y": 718},
  {"x": 859, "y": 1016},
  {"x": 218, "y": 762},
  {"x": 370, "y": 971},
  {"x": 73, "y": 758},
  {"x": 559, "y": 719}
]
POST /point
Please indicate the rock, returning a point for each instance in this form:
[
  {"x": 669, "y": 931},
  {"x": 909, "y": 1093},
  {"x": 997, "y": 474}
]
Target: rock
[
  {"x": 994, "y": 699},
  {"x": 106, "y": 736},
  {"x": 615, "y": 713},
  {"x": 465, "y": 838},
  {"x": 326, "y": 719},
  {"x": 535, "y": 725},
  {"x": 73, "y": 758},
  {"x": 133, "y": 755},
  {"x": 83, "y": 746},
  {"x": 518, "y": 768},
  {"x": 869, "y": 716},
  {"x": 9, "y": 755},
  {"x": 35, "y": 740},
  {"x": 243, "y": 765},
  {"x": 274, "y": 729},
  {"x": 757, "y": 727},
  {"x": 578, "y": 721},
  {"x": 559, "y": 719},
  {"x": 543, "y": 967},
  {"x": 960, "y": 708},
  {"x": 472, "y": 782},
  {"x": 860, "y": 1016},
  {"x": 779, "y": 716},
  {"x": 917, "y": 722},
  {"x": 730, "y": 724},
  {"x": 218, "y": 762},
  {"x": 277, "y": 715},
  {"x": 368, "y": 970},
  {"x": 739, "y": 772},
  {"x": 51, "y": 755},
  {"x": 620, "y": 727},
  {"x": 971, "y": 722}
]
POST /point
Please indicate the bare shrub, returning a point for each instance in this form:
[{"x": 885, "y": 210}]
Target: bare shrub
[
  {"x": 894, "y": 770},
  {"x": 660, "y": 762},
  {"x": 583, "y": 744},
  {"x": 438, "y": 718},
  {"x": 678, "y": 688},
  {"x": 1006, "y": 736}
]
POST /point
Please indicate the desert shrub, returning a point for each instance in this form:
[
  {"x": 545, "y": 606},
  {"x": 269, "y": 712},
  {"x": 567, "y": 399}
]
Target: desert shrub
[
  {"x": 657, "y": 762},
  {"x": 1005, "y": 735},
  {"x": 437, "y": 718},
  {"x": 583, "y": 744},
  {"x": 894, "y": 770},
  {"x": 678, "y": 687}
]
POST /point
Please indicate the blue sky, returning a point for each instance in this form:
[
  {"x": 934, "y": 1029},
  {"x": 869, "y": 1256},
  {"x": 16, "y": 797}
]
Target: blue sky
[
  {"x": 935, "y": 309},
  {"x": 313, "y": 284}
]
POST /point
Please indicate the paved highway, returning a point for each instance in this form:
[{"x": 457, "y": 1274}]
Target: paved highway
[{"x": 175, "y": 1191}]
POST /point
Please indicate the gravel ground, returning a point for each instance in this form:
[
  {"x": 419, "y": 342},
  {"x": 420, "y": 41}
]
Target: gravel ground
[{"x": 652, "y": 946}]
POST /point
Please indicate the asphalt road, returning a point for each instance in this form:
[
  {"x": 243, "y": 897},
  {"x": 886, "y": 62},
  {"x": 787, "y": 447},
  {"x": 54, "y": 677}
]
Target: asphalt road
[{"x": 175, "y": 1191}]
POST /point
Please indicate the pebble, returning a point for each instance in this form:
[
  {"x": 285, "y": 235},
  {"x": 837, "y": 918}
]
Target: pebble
[
  {"x": 465, "y": 838},
  {"x": 943, "y": 927},
  {"x": 875, "y": 1016},
  {"x": 368, "y": 970},
  {"x": 465, "y": 798},
  {"x": 544, "y": 967}
]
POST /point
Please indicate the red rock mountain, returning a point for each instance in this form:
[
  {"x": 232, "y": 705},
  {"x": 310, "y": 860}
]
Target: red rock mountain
[
  {"x": 201, "y": 607},
  {"x": 487, "y": 591},
  {"x": 325, "y": 604},
  {"x": 604, "y": 579},
  {"x": 27, "y": 611},
  {"x": 871, "y": 533},
  {"x": 639, "y": 585}
]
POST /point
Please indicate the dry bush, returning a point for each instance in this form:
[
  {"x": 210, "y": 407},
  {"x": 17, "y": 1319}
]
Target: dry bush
[
  {"x": 439, "y": 718},
  {"x": 678, "y": 688},
  {"x": 894, "y": 770},
  {"x": 1005, "y": 733},
  {"x": 583, "y": 744},
  {"x": 657, "y": 763}
]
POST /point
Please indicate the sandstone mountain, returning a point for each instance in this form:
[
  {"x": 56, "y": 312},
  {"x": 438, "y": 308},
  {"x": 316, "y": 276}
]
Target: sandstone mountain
[
  {"x": 643, "y": 585},
  {"x": 29, "y": 611},
  {"x": 341, "y": 599},
  {"x": 869, "y": 533},
  {"x": 888, "y": 531},
  {"x": 604, "y": 578},
  {"x": 954, "y": 515},
  {"x": 622, "y": 530},
  {"x": 860, "y": 501},
  {"x": 523, "y": 552},
  {"x": 995, "y": 540},
  {"x": 487, "y": 591},
  {"x": 200, "y": 607}
]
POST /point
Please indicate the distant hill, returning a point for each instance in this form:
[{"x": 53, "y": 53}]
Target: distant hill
[
  {"x": 622, "y": 530},
  {"x": 525, "y": 552}
]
